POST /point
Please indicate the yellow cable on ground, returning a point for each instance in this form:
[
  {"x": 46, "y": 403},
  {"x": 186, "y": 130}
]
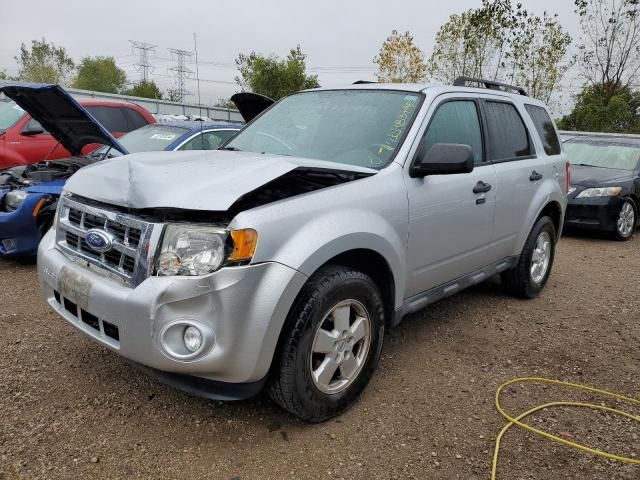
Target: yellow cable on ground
[{"x": 517, "y": 420}]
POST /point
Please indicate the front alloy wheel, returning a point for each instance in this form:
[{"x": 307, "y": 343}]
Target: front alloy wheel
[
  {"x": 626, "y": 224},
  {"x": 330, "y": 344},
  {"x": 340, "y": 346}
]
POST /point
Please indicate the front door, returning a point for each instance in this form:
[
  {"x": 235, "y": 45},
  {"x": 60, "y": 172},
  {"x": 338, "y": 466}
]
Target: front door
[{"x": 450, "y": 217}]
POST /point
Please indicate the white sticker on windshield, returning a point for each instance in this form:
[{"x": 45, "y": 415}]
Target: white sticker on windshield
[{"x": 163, "y": 136}]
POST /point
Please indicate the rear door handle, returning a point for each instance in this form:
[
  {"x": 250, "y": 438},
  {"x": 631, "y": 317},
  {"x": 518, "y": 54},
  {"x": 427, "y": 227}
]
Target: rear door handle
[
  {"x": 481, "y": 187},
  {"x": 535, "y": 176}
]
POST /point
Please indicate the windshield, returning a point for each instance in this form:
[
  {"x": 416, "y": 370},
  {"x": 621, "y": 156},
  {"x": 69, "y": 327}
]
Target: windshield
[
  {"x": 10, "y": 113},
  {"x": 356, "y": 127},
  {"x": 603, "y": 154},
  {"x": 150, "y": 138}
]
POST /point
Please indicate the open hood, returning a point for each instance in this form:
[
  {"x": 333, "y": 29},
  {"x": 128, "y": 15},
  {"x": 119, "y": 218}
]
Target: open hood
[
  {"x": 250, "y": 104},
  {"x": 60, "y": 114},
  {"x": 209, "y": 180}
]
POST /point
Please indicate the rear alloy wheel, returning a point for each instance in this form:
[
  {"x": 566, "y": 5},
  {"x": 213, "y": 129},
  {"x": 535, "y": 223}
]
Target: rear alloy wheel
[
  {"x": 330, "y": 344},
  {"x": 529, "y": 277},
  {"x": 626, "y": 223}
]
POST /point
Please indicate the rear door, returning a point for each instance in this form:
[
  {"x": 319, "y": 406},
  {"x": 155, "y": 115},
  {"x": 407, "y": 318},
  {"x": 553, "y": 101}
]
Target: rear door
[
  {"x": 519, "y": 170},
  {"x": 450, "y": 223}
]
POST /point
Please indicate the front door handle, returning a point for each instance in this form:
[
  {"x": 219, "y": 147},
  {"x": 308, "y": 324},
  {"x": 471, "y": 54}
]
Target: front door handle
[
  {"x": 481, "y": 187},
  {"x": 535, "y": 176}
]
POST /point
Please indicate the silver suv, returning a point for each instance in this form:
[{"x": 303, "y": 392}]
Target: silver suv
[{"x": 281, "y": 260}]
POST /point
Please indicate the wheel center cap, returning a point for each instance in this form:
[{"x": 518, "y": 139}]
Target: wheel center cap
[{"x": 341, "y": 346}]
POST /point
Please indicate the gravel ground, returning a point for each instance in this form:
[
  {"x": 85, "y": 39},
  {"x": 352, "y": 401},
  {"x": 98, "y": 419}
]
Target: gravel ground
[{"x": 71, "y": 409}]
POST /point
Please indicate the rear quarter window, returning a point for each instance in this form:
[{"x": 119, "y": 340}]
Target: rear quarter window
[
  {"x": 111, "y": 118},
  {"x": 545, "y": 128},
  {"x": 135, "y": 119},
  {"x": 508, "y": 136}
]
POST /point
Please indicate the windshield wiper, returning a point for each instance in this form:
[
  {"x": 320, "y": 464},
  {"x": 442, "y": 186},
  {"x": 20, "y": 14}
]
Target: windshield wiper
[
  {"x": 231, "y": 149},
  {"x": 587, "y": 165}
]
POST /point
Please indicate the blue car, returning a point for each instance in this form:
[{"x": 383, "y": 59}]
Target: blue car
[{"x": 29, "y": 194}]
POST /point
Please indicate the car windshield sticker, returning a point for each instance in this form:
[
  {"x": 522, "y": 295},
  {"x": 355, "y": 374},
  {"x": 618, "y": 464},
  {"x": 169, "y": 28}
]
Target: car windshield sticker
[
  {"x": 398, "y": 127},
  {"x": 163, "y": 136}
]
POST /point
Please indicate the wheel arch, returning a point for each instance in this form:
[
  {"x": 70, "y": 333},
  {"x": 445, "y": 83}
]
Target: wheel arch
[{"x": 553, "y": 210}]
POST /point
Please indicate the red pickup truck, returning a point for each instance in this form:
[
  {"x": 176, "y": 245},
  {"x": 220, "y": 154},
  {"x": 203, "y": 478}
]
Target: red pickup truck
[{"x": 24, "y": 141}]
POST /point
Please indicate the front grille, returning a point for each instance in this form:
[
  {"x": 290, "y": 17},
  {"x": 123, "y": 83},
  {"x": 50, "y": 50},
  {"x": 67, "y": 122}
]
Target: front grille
[{"x": 133, "y": 239}]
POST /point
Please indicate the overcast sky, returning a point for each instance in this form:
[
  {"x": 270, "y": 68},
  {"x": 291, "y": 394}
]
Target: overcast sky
[{"x": 340, "y": 37}]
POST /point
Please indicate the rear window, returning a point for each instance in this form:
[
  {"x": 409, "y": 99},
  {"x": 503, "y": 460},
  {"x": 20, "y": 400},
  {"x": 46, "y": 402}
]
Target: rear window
[
  {"x": 113, "y": 119},
  {"x": 508, "y": 136},
  {"x": 545, "y": 128}
]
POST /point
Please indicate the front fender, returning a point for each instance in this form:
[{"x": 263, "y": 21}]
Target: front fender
[
  {"x": 21, "y": 227},
  {"x": 323, "y": 237}
]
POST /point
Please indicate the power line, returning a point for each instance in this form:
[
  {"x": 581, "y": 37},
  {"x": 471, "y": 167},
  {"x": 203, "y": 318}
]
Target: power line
[
  {"x": 144, "y": 64},
  {"x": 180, "y": 71}
]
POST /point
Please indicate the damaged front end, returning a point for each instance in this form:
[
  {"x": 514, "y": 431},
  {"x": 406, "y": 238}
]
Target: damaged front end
[
  {"x": 28, "y": 201},
  {"x": 43, "y": 172}
]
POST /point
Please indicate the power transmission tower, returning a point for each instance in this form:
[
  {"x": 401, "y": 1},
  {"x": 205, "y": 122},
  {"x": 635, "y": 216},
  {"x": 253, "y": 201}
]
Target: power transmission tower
[
  {"x": 181, "y": 72},
  {"x": 144, "y": 64}
]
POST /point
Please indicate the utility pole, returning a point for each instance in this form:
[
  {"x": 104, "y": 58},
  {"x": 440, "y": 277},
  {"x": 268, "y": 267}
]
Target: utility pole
[
  {"x": 144, "y": 64},
  {"x": 181, "y": 72}
]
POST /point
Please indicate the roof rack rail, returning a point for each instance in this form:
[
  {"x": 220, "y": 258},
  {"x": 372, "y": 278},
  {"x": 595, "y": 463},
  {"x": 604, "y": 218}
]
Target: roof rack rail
[
  {"x": 363, "y": 82},
  {"x": 490, "y": 84}
]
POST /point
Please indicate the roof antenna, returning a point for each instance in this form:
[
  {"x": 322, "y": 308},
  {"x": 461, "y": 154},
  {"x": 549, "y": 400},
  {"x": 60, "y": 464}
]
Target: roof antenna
[{"x": 195, "y": 49}]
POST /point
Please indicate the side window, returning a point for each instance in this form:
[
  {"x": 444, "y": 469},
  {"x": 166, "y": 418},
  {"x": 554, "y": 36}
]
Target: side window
[
  {"x": 456, "y": 121},
  {"x": 508, "y": 136},
  {"x": 208, "y": 140},
  {"x": 111, "y": 118},
  {"x": 135, "y": 119},
  {"x": 545, "y": 128}
]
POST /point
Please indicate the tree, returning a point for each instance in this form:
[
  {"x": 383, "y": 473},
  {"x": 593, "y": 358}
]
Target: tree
[
  {"x": 610, "y": 49},
  {"x": 100, "y": 74},
  {"x": 400, "y": 60},
  {"x": 44, "y": 63},
  {"x": 597, "y": 111},
  {"x": 147, "y": 89},
  {"x": 503, "y": 43},
  {"x": 475, "y": 43},
  {"x": 274, "y": 77},
  {"x": 538, "y": 50}
]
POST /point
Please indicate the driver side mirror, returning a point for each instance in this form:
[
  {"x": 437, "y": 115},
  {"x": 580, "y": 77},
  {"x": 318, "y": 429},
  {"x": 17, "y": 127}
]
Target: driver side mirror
[
  {"x": 443, "y": 159},
  {"x": 32, "y": 130}
]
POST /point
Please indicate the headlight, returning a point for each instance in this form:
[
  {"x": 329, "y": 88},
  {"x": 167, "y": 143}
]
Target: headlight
[
  {"x": 198, "y": 250},
  {"x": 14, "y": 199},
  {"x": 600, "y": 192}
]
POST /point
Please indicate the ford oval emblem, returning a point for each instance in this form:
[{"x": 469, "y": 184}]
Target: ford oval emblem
[{"x": 99, "y": 240}]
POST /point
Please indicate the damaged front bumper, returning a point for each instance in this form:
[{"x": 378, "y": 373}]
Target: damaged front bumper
[{"x": 240, "y": 311}]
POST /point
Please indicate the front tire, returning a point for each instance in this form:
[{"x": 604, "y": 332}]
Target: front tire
[
  {"x": 531, "y": 274},
  {"x": 626, "y": 222},
  {"x": 330, "y": 344}
]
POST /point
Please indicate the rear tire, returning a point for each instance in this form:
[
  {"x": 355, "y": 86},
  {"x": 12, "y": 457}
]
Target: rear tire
[
  {"x": 330, "y": 345},
  {"x": 530, "y": 275},
  {"x": 627, "y": 221}
]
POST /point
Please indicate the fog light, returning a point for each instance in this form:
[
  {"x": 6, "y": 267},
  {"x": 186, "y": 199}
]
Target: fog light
[
  {"x": 9, "y": 244},
  {"x": 192, "y": 339}
]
